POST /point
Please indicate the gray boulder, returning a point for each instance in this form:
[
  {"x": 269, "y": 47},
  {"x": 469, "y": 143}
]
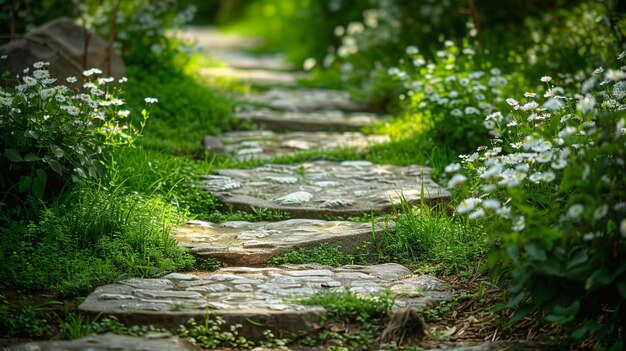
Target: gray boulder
[{"x": 62, "y": 43}]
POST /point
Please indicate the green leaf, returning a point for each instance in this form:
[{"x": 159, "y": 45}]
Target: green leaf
[
  {"x": 57, "y": 151},
  {"x": 577, "y": 257},
  {"x": 56, "y": 166},
  {"x": 535, "y": 251},
  {"x": 39, "y": 184},
  {"x": 13, "y": 155},
  {"x": 30, "y": 157},
  {"x": 563, "y": 315},
  {"x": 24, "y": 183}
]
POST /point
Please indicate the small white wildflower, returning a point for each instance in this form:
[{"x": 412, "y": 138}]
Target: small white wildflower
[
  {"x": 471, "y": 110},
  {"x": 598, "y": 71},
  {"x": 91, "y": 71},
  {"x": 586, "y": 104},
  {"x": 412, "y": 50},
  {"x": 71, "y": 79},
  {"x": 123, "y": 80},
  {"x": 489, "y": 124},
  {"x": 519, "y": 225},
  {"x": 553, "y": 104},
  {"x": 456, "y": 112},
  {"x": 559, "y": 164},
  {"x": 529, "y": 106},
  {"x": 457, "y": 180},
  {"x": 588, "y": 236},
  {"x": 544, "y": 157},
  {"x": 477, "y": 214},
  {"x": 512, "y": 102},
  {"x": 309, "y": 64},
  {"x": 151, "y": 100},
  {"x": 492, "y": 204},
  {"x": 30, "y": 81},
  {"x": 601, "y": 211},
  {"x": 339, "y": 31},
  {"x": 548, "y": 176},
  {"x": 546, "y": 79},
  {"x": 123, "y": 113},
  {"x": 3, "y": 57},
  {"x": 575, "y": 211},
  {"x": 615, "y": 74},
  {"x": 495, "y": 71},
  {"x": 467, "y": 205},
  {"x": 453, "y": 167},
  {"x": 530, "y": 95},
  {"x": 73, "y": 110}
]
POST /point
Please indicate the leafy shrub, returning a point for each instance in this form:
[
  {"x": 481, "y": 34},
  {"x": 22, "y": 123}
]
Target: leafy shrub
[
  {"x": 52, "y": 136},
  {"x": 552, "y": 188}
]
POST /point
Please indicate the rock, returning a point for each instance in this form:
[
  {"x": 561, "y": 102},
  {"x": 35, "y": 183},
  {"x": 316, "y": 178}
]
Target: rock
[
  {"x": 306, "y": 100},
  {"x": 253, "y": 243},
  {"x": 62, "y": 43},
  {"x": 213, "y": 144},
  {"x": 266, "y": 144},
  {"x": 254, "y": 76},
  {"x": 240, "y": 60},
  {"x": 251, "y": 296},
  {"x": 319, "y": 188},
  {"x": 111, "y": 342},
  {"x": 333, "y": 120},
  {"x": 211, "y": 40}
]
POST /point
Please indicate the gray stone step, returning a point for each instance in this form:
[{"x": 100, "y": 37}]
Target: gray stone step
[
  {"x": 332, "y": 120},
  {"x": 258, "y": 298},
  {"x": 240, "y": 60},
  {"x": 254, "y": 243},
  {"x": 111, "y": 342},
  {"x": 306, "y": 100},
  {"x": 319, "y": 188},
  {"x": 264, "y": 145},
  {"x": 254, "y": 76}
]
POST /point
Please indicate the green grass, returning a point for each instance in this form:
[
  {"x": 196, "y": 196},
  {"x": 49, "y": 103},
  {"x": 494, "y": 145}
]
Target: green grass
[{"x": 427, "y": 236}]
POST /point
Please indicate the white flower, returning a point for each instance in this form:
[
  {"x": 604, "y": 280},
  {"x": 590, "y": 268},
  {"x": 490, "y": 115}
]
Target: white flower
[
  {"x": 492, "y": 204},
  {"x": 123, "y": 80},
  {"x": 30, "y": 81},
  {"x": 546, "y": 79},
  {"x": 151, "y": 100},
  {"x": 456, "y": 112},
  {"x": 467, "y": 205},
  {"x": 73, "y": 110},
  {"x": 559, "y": 164},
  {"x": 477, "y": 214},
  {"x": 519, "y": 225},
  {"x": 91, "y": 72},
  {"x": 548, "y": 176},
  {"x": 71, "y": 79},
  {"x": 309, "y": 63},
  {"x": 512, "y": 102},
  {"x": 412, "y": 50},
  {"x": 471, "y": 110},
  {"x": 553, "y": 104},
  {"x": 456, "y": 180},
  {"x": 586, "y": 104},
  {"x": 453, "y": 167},
  {"x": 575, "y": 211},
  {"x": 544, "y": 157},
  {"x": 615, "y": 74},
  {"x": 123, "y": 113},
  {"x": 530, "y": 95},
  {"x": 601, "y": 211},
  {"x": 489, "y": 124},
  {"x": 3, "y": 57}
]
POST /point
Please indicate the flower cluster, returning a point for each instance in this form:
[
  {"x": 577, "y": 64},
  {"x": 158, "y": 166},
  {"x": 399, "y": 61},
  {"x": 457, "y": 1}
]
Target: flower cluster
[
  {"x": 51, "y": 131},
  {"x": 452, "y": 93},
  {"x": 552, "y": 189}
]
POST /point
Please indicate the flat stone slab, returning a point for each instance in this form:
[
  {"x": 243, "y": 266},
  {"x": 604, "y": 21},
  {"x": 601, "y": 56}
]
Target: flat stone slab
[
  {"x": 330, "y": 120},
  {"x": 258, "y": 298},
  {"x": 241, "y": 60},
  {"x": 319, "y": 188},
  {"x": 254, "y": 76},
  {"x": 253, "y": 243},
  {"x": 306, "y": 100},
  {"x": 264, "y": 145},
  {"x": 111, "y": 342}
]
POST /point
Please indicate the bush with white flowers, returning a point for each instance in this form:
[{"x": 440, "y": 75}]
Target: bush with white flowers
[
  {"x": 552, "y": 187},
  {"x": 52, "y": 135}
]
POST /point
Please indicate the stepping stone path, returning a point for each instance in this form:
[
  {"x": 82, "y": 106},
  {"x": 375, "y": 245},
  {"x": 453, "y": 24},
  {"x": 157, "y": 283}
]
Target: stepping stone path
[
  {"x": 268, "y": 296},
  {"x": 262, "y": 298},
  {"x": 319, "y": 188},
  {"x": 266, "y": 144},
  {"x": 112, "y": 342},
  {"x": 253, "y": 243}
]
